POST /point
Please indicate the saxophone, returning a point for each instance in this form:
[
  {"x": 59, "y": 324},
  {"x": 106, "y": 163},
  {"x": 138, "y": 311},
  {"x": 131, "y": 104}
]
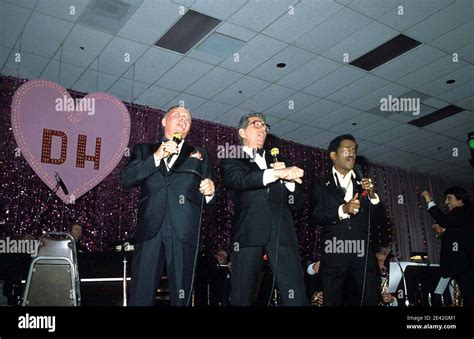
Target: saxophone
[
  {"x": 457, "y": 297},
  {"x": 384, "y": 288}
]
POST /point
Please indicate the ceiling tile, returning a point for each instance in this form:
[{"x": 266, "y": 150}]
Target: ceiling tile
[
  {"x": 458, "y": 93},
  {"x": 334, "y": 81},
  {"x": 430, "y": 72},
  {"x": 457, "y": 38},
  {"x": 283, "y": 127},
  {"x": 467, "y": 53},
  {"x": 12, "y": 21},
  {"x": 435, "y": 25},
  {"x": 213, "y": 82},
  {"x": 67, "y": 10},
  {"x": 461, "y": 75},
  {"x": 191, "y": 102},
  {"x": 408, "y": 62},
  {"x": 361, "y": 42},
  {"x": 253, "y": 53},
  {"x": 154, "y": 63},
  {"x": 4, "y": 53},
  {"x": 309, "y": 72},
  {"x": 337, "y": 117},
  {"x": 210, "y": 110},
  {"x": 292, "y": 56},
  {"x": 266, "y": 98},
  {"x": 241, "y": 90},
  {"x": 373, "y": 8},
  {"x": 292, "y": 104},
  {"x": 302, "y": 133},
  {"x": 218, "y": 9},
  {"x": 305, "y": 16},
  {"x": 256, "y": 15},
  {"x": 30, "y": 66},
  {"x": 114, "y": 58},
  {"x": 93, "y": 42},
  {"x": 90, "y": 81},
  {"x": 150, "y": 21},
  {"x": 357, "y": 89},
  {"x": 157, "y": 97},
  {"x": 460, "y": 119},
  {"x": 183, "y": 74},
  {"x": 43, "y": 34},
  {"x": 124, "y": 88},
  {"x": 69, "y": 73},
  {"x": 374, "y": 98},
  {"x": 352, "y": 123},
  {"x": 310, "y": 114},
  {"x": 333, "y": 30},
  {"x": 382, "y": 126},
  {"x": 321, "y": 140},
  {"x": 30, "y": 4}
]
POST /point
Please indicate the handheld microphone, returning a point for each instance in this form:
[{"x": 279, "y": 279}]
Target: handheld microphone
[
  {"x": 177, "y": 137},
  {"x": 60, "y": 182},
  {"x": 358, "y": 172},
  {"x": 274, "y": 152}
]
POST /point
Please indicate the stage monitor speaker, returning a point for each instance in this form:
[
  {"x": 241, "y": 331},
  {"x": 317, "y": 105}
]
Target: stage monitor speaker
[
  {"x": 53, "y": 278},
  {"x": 50, "y": 284}
]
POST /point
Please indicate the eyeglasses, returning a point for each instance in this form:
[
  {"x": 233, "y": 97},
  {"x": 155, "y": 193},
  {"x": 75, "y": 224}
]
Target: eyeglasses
[{"x": 258, "y": 124}]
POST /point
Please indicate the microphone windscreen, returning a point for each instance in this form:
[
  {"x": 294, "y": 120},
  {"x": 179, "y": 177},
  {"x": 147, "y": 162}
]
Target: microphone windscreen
[
  {"x": 177, "y": 137},
  {"x": 358, "y": 172}
]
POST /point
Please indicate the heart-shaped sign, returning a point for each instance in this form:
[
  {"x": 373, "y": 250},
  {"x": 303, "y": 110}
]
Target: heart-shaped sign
[{"x": 82, "y": 140}]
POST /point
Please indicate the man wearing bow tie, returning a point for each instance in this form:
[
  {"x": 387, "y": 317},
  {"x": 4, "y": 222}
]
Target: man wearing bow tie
[
  {"x": 341, "y": 205},
  {"x": 174, "y": 178},
  {"x": 263, "y": 193}
]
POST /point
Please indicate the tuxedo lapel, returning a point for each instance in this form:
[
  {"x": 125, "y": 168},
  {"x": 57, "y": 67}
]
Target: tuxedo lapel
[
  {"x": 186, "y": 151},
  {"x": 333, "y": 188}
]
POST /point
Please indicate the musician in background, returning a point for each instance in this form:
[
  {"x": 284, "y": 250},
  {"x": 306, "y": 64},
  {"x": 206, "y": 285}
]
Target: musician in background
[
  {"x": 213, "y": 276},
  {"x": 456, "y": 229},
  {"x": 76, "y": 231}
]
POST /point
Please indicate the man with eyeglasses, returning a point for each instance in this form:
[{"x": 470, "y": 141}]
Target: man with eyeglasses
[{"x": 263, "y": 192}]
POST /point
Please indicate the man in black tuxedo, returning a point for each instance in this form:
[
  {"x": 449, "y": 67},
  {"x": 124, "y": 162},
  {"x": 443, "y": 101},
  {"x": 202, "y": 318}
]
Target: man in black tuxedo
[
  {"x": 263, "y": 192},
  {"x": 456, "y": 229},
  {"x": 169, "y": 209},
  {"x": 342, "y": 206}
]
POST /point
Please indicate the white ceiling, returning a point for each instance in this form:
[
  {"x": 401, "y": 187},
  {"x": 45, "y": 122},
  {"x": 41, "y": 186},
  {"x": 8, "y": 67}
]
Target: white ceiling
[{"x": 330, "y": 96}]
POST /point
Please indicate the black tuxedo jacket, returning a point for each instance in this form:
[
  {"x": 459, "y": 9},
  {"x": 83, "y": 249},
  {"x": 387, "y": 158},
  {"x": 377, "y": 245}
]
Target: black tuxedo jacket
[
  {"x": 457, "y": 242},
  {"x": 257, "y": 207},
  {"x": 160, "y": 189},
  {"x": 326, "y": 199}
]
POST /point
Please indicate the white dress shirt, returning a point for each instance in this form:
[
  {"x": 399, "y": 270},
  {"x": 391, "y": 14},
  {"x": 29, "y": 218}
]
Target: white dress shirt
[
  {"x": 346, "y": 183},
  {"x": 268, "y": 177}
]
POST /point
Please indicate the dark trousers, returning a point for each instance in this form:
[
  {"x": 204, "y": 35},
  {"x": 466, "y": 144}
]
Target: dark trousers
[
  {"x": 148, "y": 263},
  {"x": 343, "y": 281},
  {"x": 246, "y": 264},
  {"x": 465, "y": 281}
]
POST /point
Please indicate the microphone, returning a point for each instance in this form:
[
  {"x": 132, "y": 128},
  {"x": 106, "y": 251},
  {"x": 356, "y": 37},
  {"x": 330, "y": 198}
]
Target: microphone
[
  {"x": 274, "y": 152},
  {"x": 177, "y": 137},
  {"x": 358, "y": 172},
  {"x": 60, "y": 182}
]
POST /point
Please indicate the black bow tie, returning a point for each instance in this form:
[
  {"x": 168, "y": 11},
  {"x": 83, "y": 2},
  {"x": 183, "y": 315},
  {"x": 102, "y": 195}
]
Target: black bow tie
[{"x": 260, "y": 151}]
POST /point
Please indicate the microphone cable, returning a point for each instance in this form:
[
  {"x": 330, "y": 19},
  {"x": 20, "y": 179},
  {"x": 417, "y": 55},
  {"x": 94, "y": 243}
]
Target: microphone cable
[{"x": 190, "y": 171}]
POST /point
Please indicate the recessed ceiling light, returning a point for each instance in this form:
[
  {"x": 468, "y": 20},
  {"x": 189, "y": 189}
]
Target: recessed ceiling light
[
  {"x": 354, "y": 123},
  {"x": 281, "y": 65},
  {"x": 451, "y": 81}
]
